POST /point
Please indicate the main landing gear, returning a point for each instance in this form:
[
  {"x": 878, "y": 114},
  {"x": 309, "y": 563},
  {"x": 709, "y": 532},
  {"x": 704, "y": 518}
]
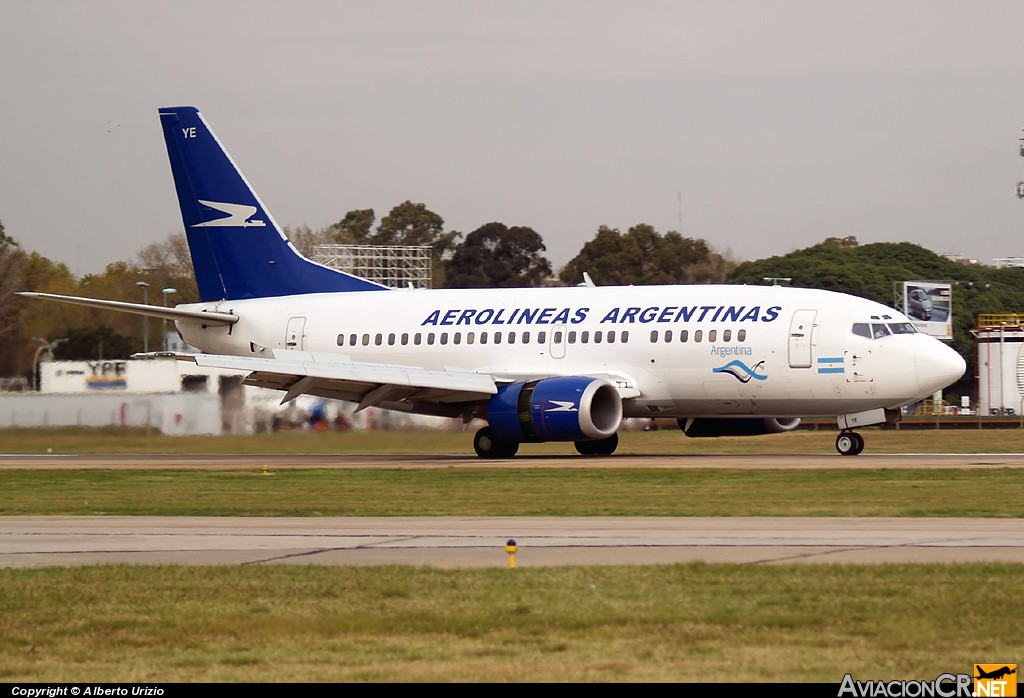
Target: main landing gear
[
  {"x": 598, "y": 447},
  {"x": 486, "y": 446},
  {"x": 849, "y": 443}
]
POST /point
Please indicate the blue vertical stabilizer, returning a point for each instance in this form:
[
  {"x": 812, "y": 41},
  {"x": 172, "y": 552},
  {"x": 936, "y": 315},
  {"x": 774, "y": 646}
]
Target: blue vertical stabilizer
[{"x": 238, "y": 251}]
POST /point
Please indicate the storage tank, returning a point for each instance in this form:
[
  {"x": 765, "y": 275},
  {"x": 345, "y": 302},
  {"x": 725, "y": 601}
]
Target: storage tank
[{"x": 1000, "y": 363}]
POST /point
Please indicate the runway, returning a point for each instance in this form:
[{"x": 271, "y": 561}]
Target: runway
[
  {"x": 38, "y": 541},
  {"x": 759, "y": 461}
]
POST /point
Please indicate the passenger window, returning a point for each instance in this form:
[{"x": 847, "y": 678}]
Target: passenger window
[
  {"x": 526, "y": 337},
  {"x": 497, "y": 337},
  {"x": 712, "y": 335},
  {"x": 572, "y": 336},
  {"x": 378, "y": 339},
  {"x": 457, "y": 338},
  {"x": 430, "y": 338},
  {"x": 469, "y": 338},
  {"x": 511, "y": 339},
  {"x": 726, "y": 335},
  {"x": 624, "y": 337},
  {"x": 597, "y": 337},
  {"x": 391, "y": 339},
  {"x": 741, "y": 336},
  {"x": 444, "y": 338},
  {"x": 366, "y": 340},
  {"x": 654, "y": 336},
  {"x": 684, "y": 335},
  {"x": 483, "y": 338},
  {"x": 541, "y": 337},
  {"x": 668, "y": 335},
  {"x": 585, "y": 336},
  {"x": 557, "y": 338},
  {"x": 611, "y": 336},
  {"x": 417, "y": 339},
  {"x": 352, "y": 340},
  {"x": 862, "y": 329},
  {"x": 698, "y": 335},
  {"x": 405, "y": 338},
  {"x": 341, "y": 340}
]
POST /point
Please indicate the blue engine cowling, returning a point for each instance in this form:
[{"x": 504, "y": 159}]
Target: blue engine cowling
[
  {"x": 568, "y": 408},
  {"x": 737, "y": 426}
]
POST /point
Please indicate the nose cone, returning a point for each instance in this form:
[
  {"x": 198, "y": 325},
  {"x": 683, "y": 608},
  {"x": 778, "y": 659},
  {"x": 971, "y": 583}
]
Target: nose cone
[{"x": 938, "y": 366}]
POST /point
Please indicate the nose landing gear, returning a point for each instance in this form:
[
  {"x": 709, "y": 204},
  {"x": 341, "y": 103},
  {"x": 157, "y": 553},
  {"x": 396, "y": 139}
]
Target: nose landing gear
[{"x": 849, "y": 443}]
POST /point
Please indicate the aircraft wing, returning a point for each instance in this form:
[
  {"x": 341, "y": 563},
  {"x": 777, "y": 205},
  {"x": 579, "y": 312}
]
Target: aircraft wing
[{"x": 408, "y": 388}]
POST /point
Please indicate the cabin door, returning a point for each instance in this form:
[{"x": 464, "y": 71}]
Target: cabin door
[
  {"x": 293, "y": 335},
  {"x": 801, "y": 330}
]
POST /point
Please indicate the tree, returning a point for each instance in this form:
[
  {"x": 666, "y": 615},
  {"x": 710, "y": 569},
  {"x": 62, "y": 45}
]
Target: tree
[
  {"x": 12, "y": 261},
  {"x": 305, "y": 239},
  {"x": 644, "y": 256},
  {"x": 495, "y": 256},
  {"x": 408, "y": 224},
  {"x": 356, "y": 228},
  {"x": 874, "y": 271},
  {"x": 170, "y": 258},
  {"x": 93, "y": 344}
]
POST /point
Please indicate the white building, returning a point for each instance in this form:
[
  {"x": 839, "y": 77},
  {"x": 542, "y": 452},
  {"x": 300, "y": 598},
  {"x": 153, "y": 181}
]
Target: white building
[
  {"x": 179, "y": 397},
  {"x": 1000, "y": 364}
]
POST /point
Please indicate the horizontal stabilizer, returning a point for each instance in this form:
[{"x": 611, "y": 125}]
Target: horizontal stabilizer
[{"x": 205, "y": 317}]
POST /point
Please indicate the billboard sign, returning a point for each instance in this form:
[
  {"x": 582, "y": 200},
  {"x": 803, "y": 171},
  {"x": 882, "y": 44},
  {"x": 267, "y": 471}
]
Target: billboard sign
[{"x": 930, "y": 305}]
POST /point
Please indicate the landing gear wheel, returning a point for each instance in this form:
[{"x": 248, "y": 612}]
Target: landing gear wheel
[
  {"x": 849, "y": 443},
  {"x": 486, "y": 446},
  {"x": 600, "y": 447},
  {"x": 860, "y": 444}
]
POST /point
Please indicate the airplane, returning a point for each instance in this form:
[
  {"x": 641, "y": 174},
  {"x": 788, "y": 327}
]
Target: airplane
[
  {"x": 537, "y": 364},
  {"x": 996, "y": 673}
]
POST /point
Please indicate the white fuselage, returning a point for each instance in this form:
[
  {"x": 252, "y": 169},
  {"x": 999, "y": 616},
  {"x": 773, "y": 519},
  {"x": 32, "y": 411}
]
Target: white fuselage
[{"x": 674, "y": 351}]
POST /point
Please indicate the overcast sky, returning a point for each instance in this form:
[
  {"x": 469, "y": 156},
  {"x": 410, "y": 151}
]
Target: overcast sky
[{"x": 760, "y": 126}]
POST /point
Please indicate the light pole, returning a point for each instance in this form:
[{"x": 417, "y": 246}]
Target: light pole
[
  {"x": 167, "y": 292},
  {"x": 48, "y": 347},
  {"x": 35, "y": 362},
  {"x": 145, "y": 318}
]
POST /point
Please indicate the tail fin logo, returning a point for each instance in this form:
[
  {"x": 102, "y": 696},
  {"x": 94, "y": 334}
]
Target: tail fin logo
[{"x": 238, "y": 216}]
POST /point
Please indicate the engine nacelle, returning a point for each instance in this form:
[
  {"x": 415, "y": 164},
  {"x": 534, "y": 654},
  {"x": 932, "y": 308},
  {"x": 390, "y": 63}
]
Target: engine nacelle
[
  {"x": 737, "y": 426},
  {"x": 568, "y": 408}
]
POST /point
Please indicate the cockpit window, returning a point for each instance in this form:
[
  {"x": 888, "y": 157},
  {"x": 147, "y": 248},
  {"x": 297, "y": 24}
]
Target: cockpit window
[
  {"x": 875, "y": 330},
  {"x": 902, "y": 327}
]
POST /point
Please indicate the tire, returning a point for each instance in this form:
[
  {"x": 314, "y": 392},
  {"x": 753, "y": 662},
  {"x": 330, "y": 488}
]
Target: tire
[
  {"x": 600, "y": 447},
  {"x": 849, "y": 443},
  {"x": 860, "y": 444},
  {"x": 486, "y": 446}
]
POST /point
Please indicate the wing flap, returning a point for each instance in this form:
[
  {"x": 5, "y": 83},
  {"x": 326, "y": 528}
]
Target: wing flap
[{"x": 369, "y": 384}]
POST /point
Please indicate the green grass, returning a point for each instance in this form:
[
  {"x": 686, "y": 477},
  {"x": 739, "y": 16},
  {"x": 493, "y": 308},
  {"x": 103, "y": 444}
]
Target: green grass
[
  {"x": 666, "y": 623},
  {"x": 701, "y": 623},
  {"x": 511, "y": 491}
]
